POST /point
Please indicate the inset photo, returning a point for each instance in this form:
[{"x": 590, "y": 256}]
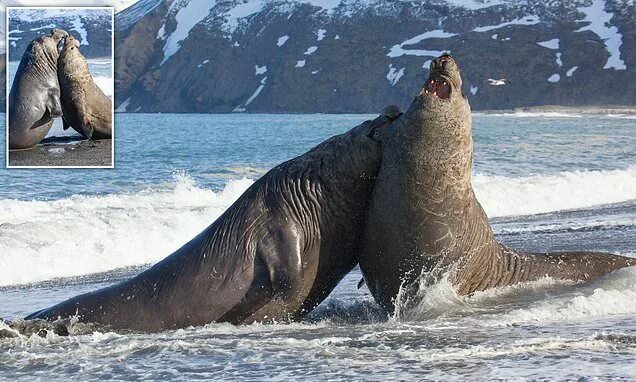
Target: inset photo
[{"x": 60, "y": 87}]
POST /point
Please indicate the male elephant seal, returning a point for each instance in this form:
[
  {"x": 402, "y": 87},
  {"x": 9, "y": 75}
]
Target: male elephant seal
[
  {"x": 85, "y": 107},
  {"x": 424, "y": 215},
  {"x": 34, "y": 99},
  {"x": 275, "y": 254}
]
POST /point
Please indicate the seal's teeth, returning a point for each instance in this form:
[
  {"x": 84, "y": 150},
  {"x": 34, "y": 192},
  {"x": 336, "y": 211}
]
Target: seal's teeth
[
  {"x": 435, "y": 93},
  {"x": 426, "y": 90},
  {"x": 444, "y": 83}
]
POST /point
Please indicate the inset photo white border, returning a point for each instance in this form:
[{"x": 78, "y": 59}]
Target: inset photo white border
[{"x": 10, "y": 68}]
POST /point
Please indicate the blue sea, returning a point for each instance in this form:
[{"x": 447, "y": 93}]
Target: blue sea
[{"x": 547, "y": 181}]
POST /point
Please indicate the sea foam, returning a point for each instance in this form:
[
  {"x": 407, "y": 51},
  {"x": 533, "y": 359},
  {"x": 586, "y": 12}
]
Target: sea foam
[{"x": 80, "y": 235}]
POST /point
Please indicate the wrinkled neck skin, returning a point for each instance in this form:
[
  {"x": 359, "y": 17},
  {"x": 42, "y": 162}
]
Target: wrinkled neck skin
[
  {"x": 73, "y": 65},
  {"x": 41, "y": 62},
  {"x": 434, "y": 146},
  {"x": 349, "y": 164}
]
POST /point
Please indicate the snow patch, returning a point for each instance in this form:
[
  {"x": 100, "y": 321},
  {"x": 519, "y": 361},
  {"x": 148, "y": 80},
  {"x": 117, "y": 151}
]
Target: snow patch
[
  {"x": 600, "y": 25},
  {"x": 495, "y": 36},
  {"x": 558, "y": 59},
  {"x": 242, "y": 10},
  {"x": 527, "y": 20},
  {"x": 394, "y": 75},
  {"x": 300, "y": 64},
  {"x": 336, "y": 37},
  {"x": 123, "y": 107},
  {"x": 474, "y": 89},
  {"x": 282, "y": 40},
  {"x": 554, "y": 78},
  {"x": 203, "y": 63},
  {"x": 571, "y": 71},
  {"x": 186, "y": 18},
  {"x": 315, "y": 71},
  {"x": 259, "y": 89},
  {"x": 78, "y": 26},
  {"x": 474, "y": 4},
  {"x": 550, "y": 44},
  {"x": 427, "y": 64},
  {"x": 398, "y": 50},
  {"x": 310, "y": 50},
  {"x": 260, "y": 70},
  {"x": 161, "y": 33},
  {"x": 49, "y": 26},
  {"x": 321, "y": 34},
  {"x": 257, "y": 92}
]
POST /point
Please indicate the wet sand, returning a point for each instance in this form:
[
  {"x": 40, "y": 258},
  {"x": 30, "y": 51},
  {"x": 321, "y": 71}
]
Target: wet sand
[{"x": 64, "y": 152}]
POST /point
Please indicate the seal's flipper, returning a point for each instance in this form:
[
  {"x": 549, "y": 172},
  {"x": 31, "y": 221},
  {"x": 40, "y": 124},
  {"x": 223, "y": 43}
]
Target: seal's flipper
[
  {"x": 88, "y": 130},
  {"x": 281, "y": 253},
  {"x": 46, "y": 118}
]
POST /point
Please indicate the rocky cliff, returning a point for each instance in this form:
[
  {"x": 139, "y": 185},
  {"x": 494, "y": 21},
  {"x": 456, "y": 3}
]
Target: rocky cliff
[{"x": 359, "y": 55}]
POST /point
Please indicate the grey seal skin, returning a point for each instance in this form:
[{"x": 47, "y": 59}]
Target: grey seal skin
[
  {"x": 34, "y": 99},
  {"x": 273, "y": 255},
  {"x": 424, "y": 216},
  {"x": 85, "y": 107}
]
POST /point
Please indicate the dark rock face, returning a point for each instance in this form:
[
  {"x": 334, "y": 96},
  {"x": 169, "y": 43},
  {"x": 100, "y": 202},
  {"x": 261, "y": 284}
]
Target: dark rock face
[
  {"x": 358, "y": 56},
  {"x": 92, "y": 28}
]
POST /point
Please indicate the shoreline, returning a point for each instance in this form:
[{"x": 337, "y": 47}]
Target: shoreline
[{"x": 590, "y": 110}]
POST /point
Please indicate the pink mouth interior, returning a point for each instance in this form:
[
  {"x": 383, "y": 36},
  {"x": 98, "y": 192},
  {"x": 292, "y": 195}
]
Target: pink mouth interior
[{"x": 438, "y": 88}]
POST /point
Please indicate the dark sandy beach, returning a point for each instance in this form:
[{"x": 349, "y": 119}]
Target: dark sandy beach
[{"x": 64, "y": 152}]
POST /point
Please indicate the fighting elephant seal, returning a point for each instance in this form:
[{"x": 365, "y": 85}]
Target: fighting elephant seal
[
  {"x": 275, "y": 254},
  {"x": 424, "y": 215},
  {"x": 34, "y": 99},
  {"x": 85, "y": 107}
]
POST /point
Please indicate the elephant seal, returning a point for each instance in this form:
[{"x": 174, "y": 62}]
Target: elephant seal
[
  {"x": 85, "y": 107},
  {"x": 424, "y": 217},
  {"x": 34, "y": 99},
  {"x": 273, "y": 255}
]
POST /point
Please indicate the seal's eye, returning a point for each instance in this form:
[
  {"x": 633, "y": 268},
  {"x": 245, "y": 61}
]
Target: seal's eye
[{"x": 72, "y": 48}]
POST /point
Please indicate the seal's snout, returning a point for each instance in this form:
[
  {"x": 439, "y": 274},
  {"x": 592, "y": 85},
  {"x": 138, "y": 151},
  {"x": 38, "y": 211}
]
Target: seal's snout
[
  {"x": 444, "y": 63},
  {"x": 444, "y": 71}
]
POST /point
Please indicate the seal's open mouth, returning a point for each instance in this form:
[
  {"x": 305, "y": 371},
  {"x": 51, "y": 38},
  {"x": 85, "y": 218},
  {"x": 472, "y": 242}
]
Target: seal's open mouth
[{"x": 439, "y": 88}]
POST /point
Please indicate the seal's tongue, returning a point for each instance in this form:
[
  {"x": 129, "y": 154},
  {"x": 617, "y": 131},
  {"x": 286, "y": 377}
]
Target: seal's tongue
[{"x": 438, "y": 88}]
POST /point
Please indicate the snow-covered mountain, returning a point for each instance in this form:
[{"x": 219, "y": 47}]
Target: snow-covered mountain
[
  {"x": 92, "y": 27},
  {"x": 359, "y": 55},
  {"x": 119, "y": 6}
]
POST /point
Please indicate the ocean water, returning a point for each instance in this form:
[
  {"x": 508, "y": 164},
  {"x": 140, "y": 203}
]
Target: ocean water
[{"x": 548, "y": 182}]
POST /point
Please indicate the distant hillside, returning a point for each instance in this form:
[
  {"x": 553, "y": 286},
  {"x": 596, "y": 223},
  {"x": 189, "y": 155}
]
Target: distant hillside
[
  {"x": 359, "y": 55},
  {"x": 92, "y": 28}
]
